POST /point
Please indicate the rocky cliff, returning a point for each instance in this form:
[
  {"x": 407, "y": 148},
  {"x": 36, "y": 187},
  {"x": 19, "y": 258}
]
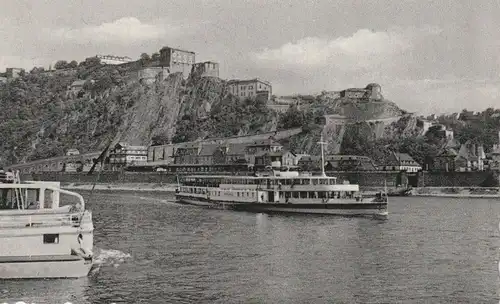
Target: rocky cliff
[
  {"x": 349, "y": 125},
  {"x": 45, "y": 114}
]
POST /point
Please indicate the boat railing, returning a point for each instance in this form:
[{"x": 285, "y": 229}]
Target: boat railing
[
  {"x": 40, "y": 220},
  {"x": 38, "y": 185}
]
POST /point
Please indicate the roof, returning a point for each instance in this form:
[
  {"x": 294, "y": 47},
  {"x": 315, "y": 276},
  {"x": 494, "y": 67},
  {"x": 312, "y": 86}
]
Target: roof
[
  {"x": 174, "y": 49},
  {"x": 448, "y": 152},
  {"x": 208, "y": 149},
  {"x": 78, "y": 83},
  {"x": 471, "y": 151},
  {"x": 113, "y": 57},
  {"x": 264, "y": 142},
  {"x": 237, "y": 149},
  {"x": 355, "y": 90},
  {"x": 269, "y": 153},
  {"x": 310, "y": 158},
  {"x": 346, "y": 157},
  {"x": 203, "y": 62},
  {"x": 396, "y": 158},
  {"x": 404, "y": 157},
  {"x": 189, "y": 146},
  {"x": 241, "y": 81}
]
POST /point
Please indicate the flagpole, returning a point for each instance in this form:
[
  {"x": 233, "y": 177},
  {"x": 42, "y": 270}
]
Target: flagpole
[{"x": 321, "y": 142}]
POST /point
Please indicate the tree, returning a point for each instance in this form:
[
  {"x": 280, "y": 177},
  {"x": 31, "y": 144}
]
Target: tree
[
  {"x": 155, "y": 56},
  {"x": 145, "y": 57},
  {"x": 37, "y": 70},
  {"x": 73, "y": 64},
  {"x": 91, "y": 61},
  {"x": 292, "y": 118},
  {"x": 159, "y": 140},
  {"x": 61, "y": 64}
]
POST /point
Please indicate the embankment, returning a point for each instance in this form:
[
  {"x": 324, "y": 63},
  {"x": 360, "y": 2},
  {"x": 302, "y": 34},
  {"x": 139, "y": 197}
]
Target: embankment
[
  {"x": 458, "y": 192},
  {"x": 445, "y": 184},
  {"x": 132, "y": 187}
]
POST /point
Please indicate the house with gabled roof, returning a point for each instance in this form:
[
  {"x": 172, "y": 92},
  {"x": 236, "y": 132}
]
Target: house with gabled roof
[
  {"x": 401, "y": 162},
  {"x": 445, "y": 160},
  {"x": 495, "y": 154},
  {"x": 470, "y": 157}
]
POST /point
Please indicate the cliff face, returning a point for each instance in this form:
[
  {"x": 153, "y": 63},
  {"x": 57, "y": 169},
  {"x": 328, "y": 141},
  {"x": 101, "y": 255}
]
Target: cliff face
[
  {"x": 44, "y": 117},
  {"x": 348, "y": 123}
]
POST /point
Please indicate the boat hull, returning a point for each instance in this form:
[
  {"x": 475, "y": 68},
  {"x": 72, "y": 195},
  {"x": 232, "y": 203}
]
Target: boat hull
[
  {"x": 342, "y": 209},
  {"x": 44, "y": 267}
]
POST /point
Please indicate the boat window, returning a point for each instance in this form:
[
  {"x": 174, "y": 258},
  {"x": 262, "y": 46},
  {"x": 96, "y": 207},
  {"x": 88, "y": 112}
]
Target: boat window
[
  {"x": 314, "y": 181},
  {"x": 303, "y": 194},
  {"x": 295, "y": 194},
  {"x": 51, "y": 238},
  {"x": 332, "y": 181},
  {"x": 321, "y": 194},
  {"x": 288, "y": 194},
  {"x": 312, "y": 194},
  {"x": 287, "y": 181}
]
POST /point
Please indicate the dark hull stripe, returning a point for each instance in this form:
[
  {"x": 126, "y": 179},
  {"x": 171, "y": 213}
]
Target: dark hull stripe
[
  {"x": 40, "y": 258},
  {"x": 241, "y": 206}
]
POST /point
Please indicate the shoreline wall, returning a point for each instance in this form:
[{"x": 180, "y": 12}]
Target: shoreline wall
[{"x": 366, "y": 179}]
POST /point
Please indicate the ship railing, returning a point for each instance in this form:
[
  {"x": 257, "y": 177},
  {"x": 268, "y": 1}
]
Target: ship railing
[
  {"x": 33, "y": 185},
  {"x": 40, "y": 220}
]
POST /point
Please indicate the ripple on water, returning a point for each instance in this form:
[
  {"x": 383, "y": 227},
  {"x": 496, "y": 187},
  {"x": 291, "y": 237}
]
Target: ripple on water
[{"x": 428, "y": 251}]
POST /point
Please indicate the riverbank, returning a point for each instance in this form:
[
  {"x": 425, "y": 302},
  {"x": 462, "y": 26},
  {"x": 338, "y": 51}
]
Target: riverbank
[
  {"x": 121, "y": 187},
  {"x": 451, "y": 192},
  {"x": 457, "y": 192}
]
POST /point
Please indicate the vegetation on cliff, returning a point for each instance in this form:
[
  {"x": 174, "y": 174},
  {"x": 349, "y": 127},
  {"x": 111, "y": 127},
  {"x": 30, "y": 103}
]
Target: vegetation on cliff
[{"x": 43, "y": 116}]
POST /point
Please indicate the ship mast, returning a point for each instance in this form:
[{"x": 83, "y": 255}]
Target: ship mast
[{"x": 322, "y": 143}]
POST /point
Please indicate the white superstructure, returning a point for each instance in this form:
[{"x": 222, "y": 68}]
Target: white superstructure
[{"x": 39, "y": 237}]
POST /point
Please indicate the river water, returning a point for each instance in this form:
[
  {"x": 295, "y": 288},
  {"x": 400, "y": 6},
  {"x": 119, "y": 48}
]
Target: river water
[{"x": 150, "y": 250}]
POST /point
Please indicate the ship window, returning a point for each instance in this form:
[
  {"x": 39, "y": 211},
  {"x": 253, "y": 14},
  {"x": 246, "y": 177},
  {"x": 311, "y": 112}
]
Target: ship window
[
  {"x": 332, "y": 181},
  {"x": 315, "y": 181},
  {"x": 51, "y": 238},
  {"x": 305, "y": 182},
  {"x": 312, "y": 195},
  {"x": 295, "y": 194},
  {"x": 303, "y": 194},
  {"x": 321, "y": 194}
]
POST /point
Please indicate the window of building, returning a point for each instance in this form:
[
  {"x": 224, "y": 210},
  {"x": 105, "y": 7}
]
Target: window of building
[{"x": 51, "y": 238}]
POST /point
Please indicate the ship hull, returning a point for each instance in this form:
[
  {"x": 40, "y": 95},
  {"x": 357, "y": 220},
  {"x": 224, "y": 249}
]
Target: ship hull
[
  {"x": 43, "y": 267},
  {"x": 341, "y": 209}
]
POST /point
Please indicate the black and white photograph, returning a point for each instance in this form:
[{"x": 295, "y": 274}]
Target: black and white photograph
[{"x": 249, "y": 151}]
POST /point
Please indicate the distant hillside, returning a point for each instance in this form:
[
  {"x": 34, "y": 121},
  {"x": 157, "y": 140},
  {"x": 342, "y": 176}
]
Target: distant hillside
[{"x": 41, "y": 118}]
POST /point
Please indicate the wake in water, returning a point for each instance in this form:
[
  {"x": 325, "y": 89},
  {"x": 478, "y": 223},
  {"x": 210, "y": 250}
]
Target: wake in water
[{"x": 108, "y": 257}]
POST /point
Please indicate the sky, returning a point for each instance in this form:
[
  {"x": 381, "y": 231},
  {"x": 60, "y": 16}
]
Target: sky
[{"x": 429, "y": 56}]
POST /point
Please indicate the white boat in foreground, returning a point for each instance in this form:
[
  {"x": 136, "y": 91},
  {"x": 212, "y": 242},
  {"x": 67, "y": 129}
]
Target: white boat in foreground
[{"x": 38, "y": 237}]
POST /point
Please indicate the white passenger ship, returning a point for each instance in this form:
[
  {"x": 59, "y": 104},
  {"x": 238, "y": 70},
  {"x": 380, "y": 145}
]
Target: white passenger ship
[
  {"x": 38, "y": 237},
  {"x": 280, "y": 191}
]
